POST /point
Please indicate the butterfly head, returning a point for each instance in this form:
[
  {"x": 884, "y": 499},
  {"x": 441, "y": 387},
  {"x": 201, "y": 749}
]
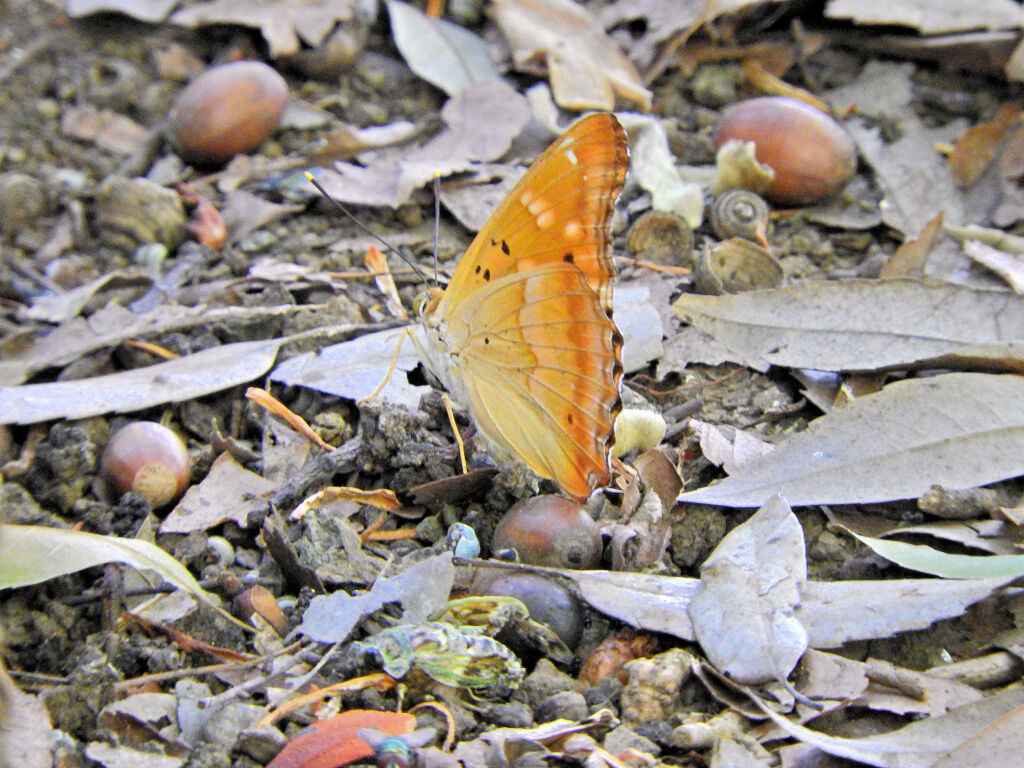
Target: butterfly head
[{"x": 426, "y": 302}]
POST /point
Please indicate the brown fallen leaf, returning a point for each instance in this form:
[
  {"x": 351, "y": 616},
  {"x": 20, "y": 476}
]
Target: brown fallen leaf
[
  {"x": 26, "y": 735},
  {"x": 587, "y": 68},
  {"x": 228, "y": 492},
  {"x": 911, "y": 258},
  {"x": 980, "y": 144}
]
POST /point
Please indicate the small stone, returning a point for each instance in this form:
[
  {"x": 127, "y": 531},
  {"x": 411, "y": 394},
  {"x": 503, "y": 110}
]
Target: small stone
[
  {"x": 567, "y": 705},
  {"x": 650, "y": 695},
  {"x": 22, "y": 201},
  {"x": 623, "y": 738},
  {"x": 545, "y": 681}
]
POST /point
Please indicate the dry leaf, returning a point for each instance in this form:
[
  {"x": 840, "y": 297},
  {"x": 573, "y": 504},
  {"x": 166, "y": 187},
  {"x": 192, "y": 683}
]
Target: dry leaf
[
  {"x": 928, "y": 743},
  {"x": 911, "y": 258},
  {"x": 228, "y": 492},
  {"x": 891, "y": 445},
  {"x": 444, "y": 54},
  {"x": 183, "y": 378},
  {"x": 744, "y": 612},
  {"x": 150, "y": 11},
  {"x": 26, "y": 735},
  {"x": 979, "y": 144},
  {"x": 865, "y": 325},
  {"x": 1009, "y": 266},
  {"x": 482, "y": 122},
  {"x": 586, "y": 67},
  {"x": 930, "y": 16},
  {"x": 422, "y": 590},
  {"x": 652, "y": 165},
  {"x": 283, "y": 23}
]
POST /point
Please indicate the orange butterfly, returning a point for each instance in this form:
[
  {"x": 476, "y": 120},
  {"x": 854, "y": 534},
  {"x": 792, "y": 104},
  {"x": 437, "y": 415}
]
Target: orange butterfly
[{"x": 523, "y": 335}]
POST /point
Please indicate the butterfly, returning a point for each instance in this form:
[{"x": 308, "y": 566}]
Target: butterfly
[{"x": 523, "y": 335}]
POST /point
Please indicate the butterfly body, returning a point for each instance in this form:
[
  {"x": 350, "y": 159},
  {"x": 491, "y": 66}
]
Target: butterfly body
[{"x": 523, "y": 335}]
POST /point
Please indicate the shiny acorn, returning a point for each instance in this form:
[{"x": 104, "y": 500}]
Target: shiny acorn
[
  {"x": 550, "y": 530},
  {"x": 811, "y": 154},
  {"x": 548, "y": 602},
  {"x": 227, "y": 110},
  {"x": 149, "y": 460}
]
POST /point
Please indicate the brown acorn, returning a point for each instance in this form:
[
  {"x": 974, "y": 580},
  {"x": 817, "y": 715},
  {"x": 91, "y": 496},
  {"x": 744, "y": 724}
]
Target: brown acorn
[
  {"x": 550, "y": 530},
  {"x": 226, "y": 111},
  {"x": 149, "y": 460},
  {"x": 811, "y": 154}
]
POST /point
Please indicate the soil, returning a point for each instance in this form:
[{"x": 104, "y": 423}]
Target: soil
[{"x": 63, "y": 638}]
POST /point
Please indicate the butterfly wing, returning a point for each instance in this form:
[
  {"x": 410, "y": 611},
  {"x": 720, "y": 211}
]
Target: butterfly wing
[
  {"x": 559, "y": 211},
  {"x": 523, "y": 334}
]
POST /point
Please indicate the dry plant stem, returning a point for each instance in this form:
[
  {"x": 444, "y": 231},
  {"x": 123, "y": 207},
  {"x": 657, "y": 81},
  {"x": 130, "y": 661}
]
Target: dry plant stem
[
  {"x": 766, "y": 82},
  {"x": 449, "y": 739},
  {"x": 242, "y": 690},
  {"x": 682, "y": 387},
  {"x": 153, "y": 349},
  {"x": 377, "y": 680},
  {"x": 662, "y": 268},
  {"x": 455, "y": 429},
  {"x": 209, "y": 669},
  {"x": 401, "y": 534},
  {"x": 275, "y": 406}
]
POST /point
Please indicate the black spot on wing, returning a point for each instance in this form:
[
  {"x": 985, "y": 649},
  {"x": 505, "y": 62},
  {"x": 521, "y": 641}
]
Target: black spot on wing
[{"x": 505, "y": 249}]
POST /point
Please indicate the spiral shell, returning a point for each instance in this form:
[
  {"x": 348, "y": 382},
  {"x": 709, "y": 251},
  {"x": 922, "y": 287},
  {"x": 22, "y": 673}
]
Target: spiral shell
[{"x": 740, "y": 213}]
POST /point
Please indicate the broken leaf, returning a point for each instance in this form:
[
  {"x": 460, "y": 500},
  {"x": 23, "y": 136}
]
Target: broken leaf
[
  {"x": 422, "y": 590},
  {"x": 744, "y": 611},
  {"x": 228, "y": 492},
  {"x": 183, "y": 378},
  {"x": 26, "y": 735},
  {"x": 586, "y": 67},
  {"x": 444, "y": 54},
  {"x": 31, "y": 554},
  {"x": 894, "y": 444}
]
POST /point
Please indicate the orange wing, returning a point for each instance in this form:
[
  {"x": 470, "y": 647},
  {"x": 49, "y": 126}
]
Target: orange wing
[
  {"x": 523, "y": 335},
  {"x": 559, "y": 211}
]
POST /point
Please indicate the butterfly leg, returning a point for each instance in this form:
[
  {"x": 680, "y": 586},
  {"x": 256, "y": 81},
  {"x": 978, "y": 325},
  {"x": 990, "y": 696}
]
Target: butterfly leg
[
  {"x": 390, "y": 371},
  {"x": 455, "y": 428}
]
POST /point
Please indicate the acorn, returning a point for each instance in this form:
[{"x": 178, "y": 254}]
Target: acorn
[
  {"x": 226, "y": 111},
  {"x": 811, "y": 154},
  {"x": 149, "y": 460},
  {"x": 550, "y": 530}
]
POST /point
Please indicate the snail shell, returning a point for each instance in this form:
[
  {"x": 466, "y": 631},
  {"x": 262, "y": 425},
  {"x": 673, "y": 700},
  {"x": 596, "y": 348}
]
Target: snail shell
[
  {"x": 661, "y": 238},
  {"x": 740, "y": 213},
  {"x": 736, "y": 265}
]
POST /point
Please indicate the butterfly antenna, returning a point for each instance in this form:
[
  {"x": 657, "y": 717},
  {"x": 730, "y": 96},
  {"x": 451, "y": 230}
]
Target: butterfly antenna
[{"x": 312, "y": 180}]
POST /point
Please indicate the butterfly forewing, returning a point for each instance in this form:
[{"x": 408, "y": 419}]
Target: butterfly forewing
[
  {"x": 559, "y": 211},
  {"x": 523, "y": 333}
]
